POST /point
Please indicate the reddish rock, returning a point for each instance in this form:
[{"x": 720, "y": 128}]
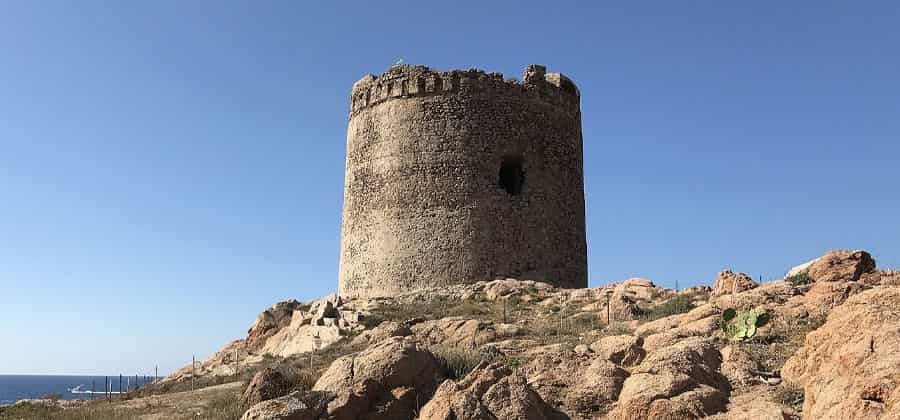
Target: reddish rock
[
  {"x": 841, "y": 265},
  {"x": 265, "y": 385},
  {"x": 489, "y": 392},
  {"x": 728, "y": 282},
  {"x": 849, "y": 368}
]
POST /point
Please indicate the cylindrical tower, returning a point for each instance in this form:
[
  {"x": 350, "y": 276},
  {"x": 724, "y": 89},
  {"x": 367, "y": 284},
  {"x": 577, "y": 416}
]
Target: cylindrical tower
[{"x": 461, "y": 176}]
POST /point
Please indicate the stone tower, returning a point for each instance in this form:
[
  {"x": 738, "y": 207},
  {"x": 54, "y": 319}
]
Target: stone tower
[{"x": 461, "y": 176}]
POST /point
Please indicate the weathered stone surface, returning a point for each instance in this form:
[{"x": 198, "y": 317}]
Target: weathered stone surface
[
  {"x": 270, "y": 321},
  {"x": 387, "y": 380},
  {"x": 461, "y": 176},
  {"x": 729, "y": 282},
  {"x": 265, "y": 385},
  {"x": 680, "y": 381},
  {"x": 756, "y": 404},
  {"x": 841, "y": 265},
  {"x": 850, "y": 367},
  {"x": 881, "y": 277},
  {"x": 462, "y": 332},
  {"x": 383, "y": 331},
  {"x": 823, "y": 296},
  {"x": 298, "y": 405},
  {"x": 737, "y": 365},
  {"x": 490, "y": 392},
  {"x": 579, "y": 384},
  {"x": 505, "y": 288},
  {"x": 623, "y": 350}
]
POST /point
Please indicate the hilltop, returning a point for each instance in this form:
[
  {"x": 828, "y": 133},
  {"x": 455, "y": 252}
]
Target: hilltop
[{"x": 820, "y": 344}]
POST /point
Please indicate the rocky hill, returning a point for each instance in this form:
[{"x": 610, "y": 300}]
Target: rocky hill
[{"x": 824, "y": 343}]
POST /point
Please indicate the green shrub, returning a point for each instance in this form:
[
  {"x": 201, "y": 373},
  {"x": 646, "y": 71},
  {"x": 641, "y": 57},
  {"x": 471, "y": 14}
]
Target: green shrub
[
  {"x": 799, "y": 279},
  {"x": 678, "y": 304},
  {"x": 459, "y": 361}
]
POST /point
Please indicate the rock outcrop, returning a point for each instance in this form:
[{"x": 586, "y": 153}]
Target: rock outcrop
[
  {"x": 270, "y": 321},
  {"x": 729, "y": 282},
  {"x": 489, "y": 392},
  {"x": 388, "y": 380},
  {"x": 580, "y": 383},
  {"x": 265, "y": 385},
  {"x": 623, "y": 350},
  {"x": 680, "y": 381},
  {"x": 841, "y": 265},
  {"x": 850, "y": 367},
  {"x": 298, "y": 405}
]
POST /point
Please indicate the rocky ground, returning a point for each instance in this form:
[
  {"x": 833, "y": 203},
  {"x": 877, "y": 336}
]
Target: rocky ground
[{"x": 511, "y": 349}]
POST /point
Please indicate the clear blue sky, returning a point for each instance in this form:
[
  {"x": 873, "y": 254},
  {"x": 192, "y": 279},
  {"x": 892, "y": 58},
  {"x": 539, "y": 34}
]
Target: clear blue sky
[{"x": 169, "y": 169}]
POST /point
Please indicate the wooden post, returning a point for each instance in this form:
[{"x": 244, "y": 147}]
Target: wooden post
[
  {"x": 608, "y": 313},
  {"x": 120, "y": 386},
  {"x": 93, "y": 385},
  {"x": 193, "y": 370}
]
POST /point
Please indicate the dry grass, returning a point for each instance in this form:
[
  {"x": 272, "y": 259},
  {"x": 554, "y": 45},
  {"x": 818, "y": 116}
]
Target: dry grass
[
  {"x": 675, "y": 305},
  {"x": 202, "y": 404},
  {"x": 772, "y": 350}
]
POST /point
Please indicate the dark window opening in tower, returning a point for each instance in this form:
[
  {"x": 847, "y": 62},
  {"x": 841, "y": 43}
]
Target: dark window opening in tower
[{"x": 512, "y": 176}]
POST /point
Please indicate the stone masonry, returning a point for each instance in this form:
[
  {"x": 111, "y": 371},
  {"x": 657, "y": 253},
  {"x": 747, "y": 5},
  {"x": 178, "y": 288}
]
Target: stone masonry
[{"x": 461, "y": 176}]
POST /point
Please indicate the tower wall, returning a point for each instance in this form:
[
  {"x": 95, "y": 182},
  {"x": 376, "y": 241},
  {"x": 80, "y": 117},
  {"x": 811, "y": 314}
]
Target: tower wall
[{"x": 460, "y": 176}]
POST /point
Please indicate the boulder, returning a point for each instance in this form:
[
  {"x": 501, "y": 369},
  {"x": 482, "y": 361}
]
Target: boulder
[
  {"x": 680, "y": 381},
  {"x": 265, "y": 385},
  {"x": 841, "y": 265},
  {"x": 737, "y": 365},
  {"x": 623, "y": 350},
  {"x": 580, "y": 384},
  {"x": 850, "y": 366},
  {"x": 270, "y": 321},
  {"x": 298, "y": 405},
  {"x": 729, "y": 282},
  {"x": 388, "y": 380},
  {"x": 638, "y": 288},
  {"x": 505, "y": 288},
  {"x": 383, "y": 331},
  {"x": 489, "y": 392}
]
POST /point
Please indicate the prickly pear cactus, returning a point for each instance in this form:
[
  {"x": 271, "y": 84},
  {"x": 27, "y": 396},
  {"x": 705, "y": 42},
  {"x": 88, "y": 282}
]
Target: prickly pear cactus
[{"x": 742, "y": 326}]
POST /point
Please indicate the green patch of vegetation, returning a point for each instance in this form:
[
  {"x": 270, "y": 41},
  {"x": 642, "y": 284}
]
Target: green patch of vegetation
[
  {"x": 224, "y": 407},
  {"x": 742, "y": 326},
  {"x": 784, "y": 337},
  {"x": 29, "y": 410},
  {"x": 459, "y": 361},
  {"x": 94, "y": 411},
  {"x": 799, "y": 279},
  {"x": 675, "y": 305},
  {"x": 186, "y": 384}
]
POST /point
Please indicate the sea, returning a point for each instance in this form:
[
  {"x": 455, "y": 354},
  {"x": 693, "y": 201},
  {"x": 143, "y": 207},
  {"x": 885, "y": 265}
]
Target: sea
[{"x": 17, "y": 387}]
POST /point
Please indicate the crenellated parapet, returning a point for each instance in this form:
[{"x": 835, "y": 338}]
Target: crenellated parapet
[{"x": 408, "y": 81}]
